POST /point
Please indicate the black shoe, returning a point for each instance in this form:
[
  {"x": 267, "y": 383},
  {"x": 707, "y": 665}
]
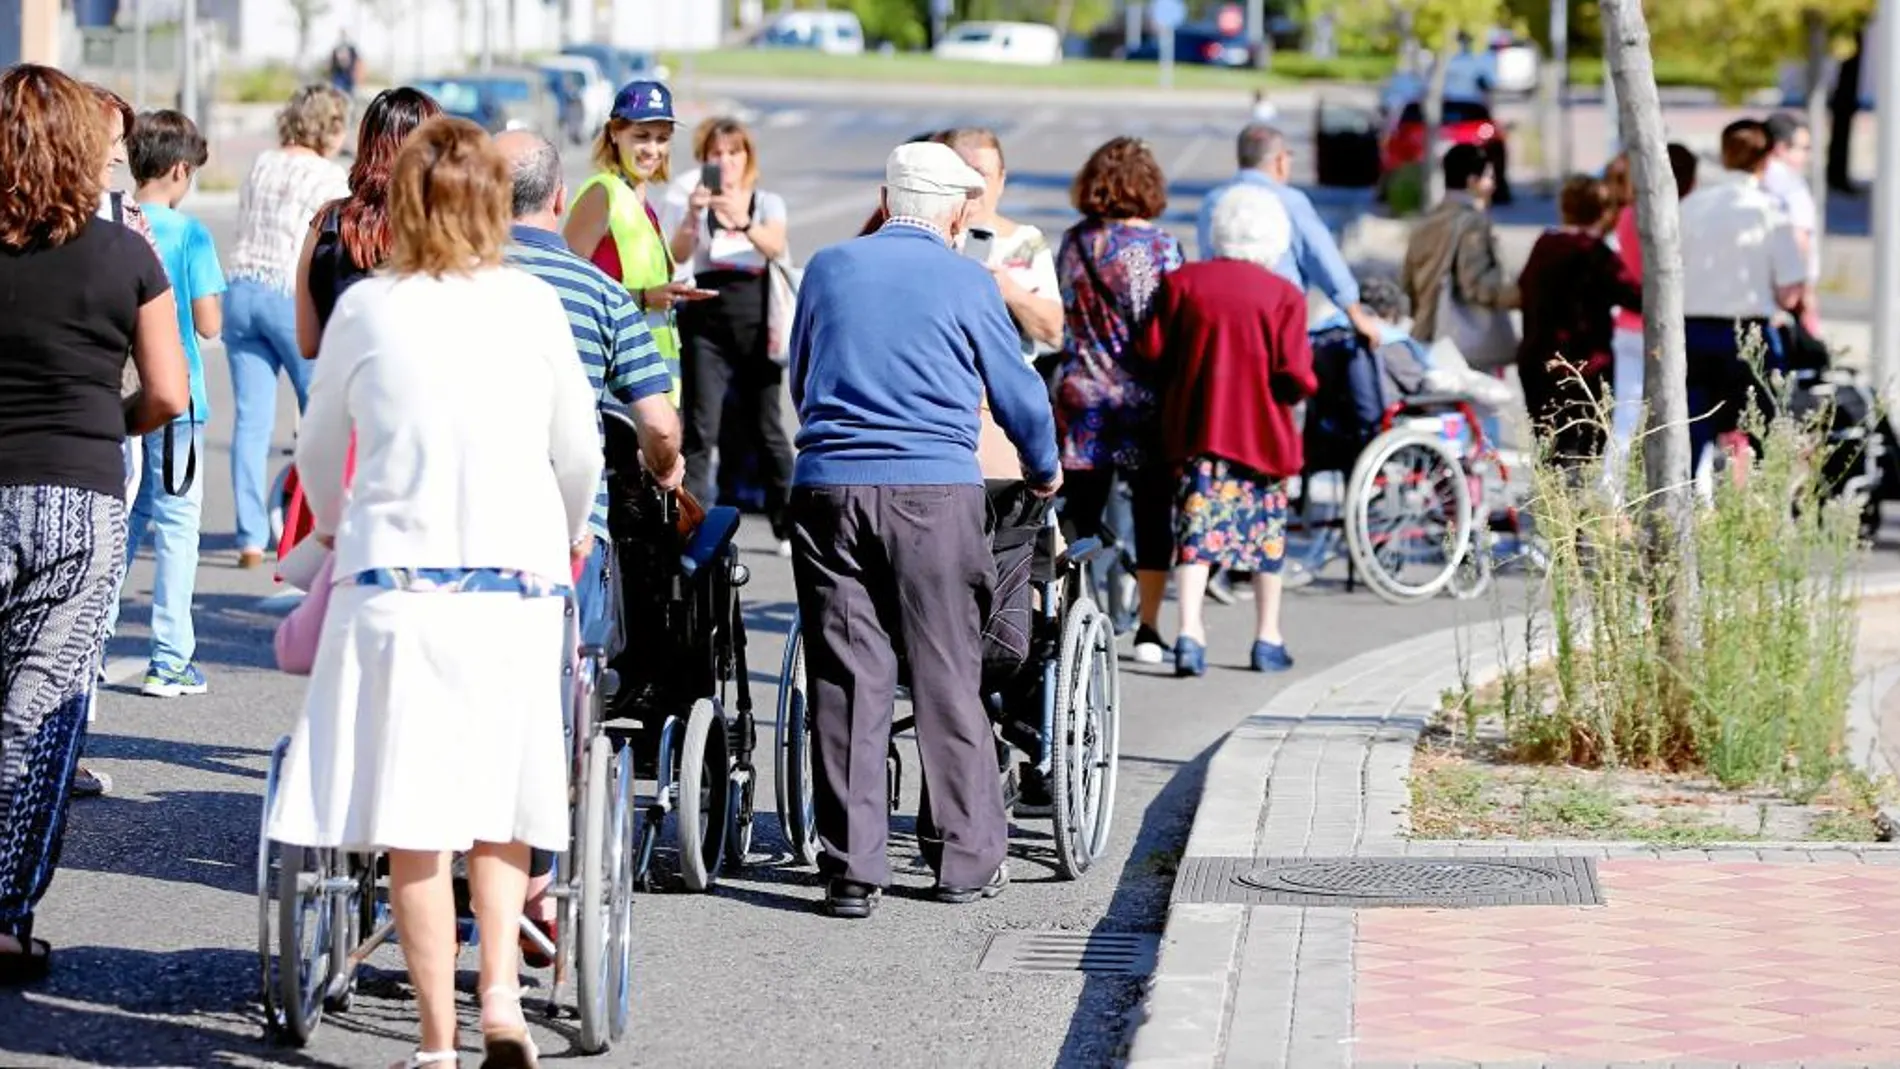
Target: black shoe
[
  {"x": 1032, "y": 792},
  {"x": 959, "y": 896},
  {"x": 851, "y": 899}
]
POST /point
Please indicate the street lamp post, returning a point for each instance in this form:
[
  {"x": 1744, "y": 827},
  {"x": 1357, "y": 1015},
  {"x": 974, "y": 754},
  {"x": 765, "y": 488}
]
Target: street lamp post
[
  {"x": 188, "y": 66},
  {"x": 1886, "y": 221}
]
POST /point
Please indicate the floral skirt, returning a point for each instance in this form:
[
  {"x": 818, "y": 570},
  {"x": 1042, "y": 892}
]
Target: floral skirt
[{"x": 1229, "y": 516}]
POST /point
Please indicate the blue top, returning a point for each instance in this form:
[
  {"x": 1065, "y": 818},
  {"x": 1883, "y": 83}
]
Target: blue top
[
  {"x": 896, "y": 340},
  {"x": 611, "y": 335},
  {"x": 1312, "y": 258},
  {"x": 191, "y": 262}
]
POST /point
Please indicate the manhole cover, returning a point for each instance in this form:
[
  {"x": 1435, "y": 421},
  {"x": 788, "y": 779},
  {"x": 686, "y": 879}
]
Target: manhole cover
[
  {"x": 1099, "y": 953},
  {"x": 1376, "y": 881}
]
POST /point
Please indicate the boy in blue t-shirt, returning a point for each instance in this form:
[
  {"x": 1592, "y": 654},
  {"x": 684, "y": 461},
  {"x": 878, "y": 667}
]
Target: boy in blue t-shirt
[{"x": 164, "y": 150}]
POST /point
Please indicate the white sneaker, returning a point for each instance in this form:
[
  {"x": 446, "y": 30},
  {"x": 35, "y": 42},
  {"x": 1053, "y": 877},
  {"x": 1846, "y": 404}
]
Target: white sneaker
[
  {"x": 1149, "y": 648},
  {"x": 785, "y": 547}
]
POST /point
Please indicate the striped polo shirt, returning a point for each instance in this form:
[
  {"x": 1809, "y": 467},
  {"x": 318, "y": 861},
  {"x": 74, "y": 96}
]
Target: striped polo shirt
[{"x": 610, "y": 334}]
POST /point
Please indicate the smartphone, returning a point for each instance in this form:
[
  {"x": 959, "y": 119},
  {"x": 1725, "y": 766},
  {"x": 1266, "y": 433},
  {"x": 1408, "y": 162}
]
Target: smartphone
[
  {"x": 712, "y": 178},
  {"x": 978, "y": 243}
]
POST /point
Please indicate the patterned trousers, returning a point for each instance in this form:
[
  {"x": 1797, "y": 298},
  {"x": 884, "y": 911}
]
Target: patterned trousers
[{"x": 62, "y": 552}]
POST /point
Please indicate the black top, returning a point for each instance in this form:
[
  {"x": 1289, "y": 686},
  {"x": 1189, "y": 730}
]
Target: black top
[
  {"x": 332, "y": 270},
  {"x": 67, "y": 316}
]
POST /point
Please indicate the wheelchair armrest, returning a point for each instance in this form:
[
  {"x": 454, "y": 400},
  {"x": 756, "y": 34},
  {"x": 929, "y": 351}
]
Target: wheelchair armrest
[
  {"x": 1425, "y": 402},
  {"x": 709, "y": 539}
]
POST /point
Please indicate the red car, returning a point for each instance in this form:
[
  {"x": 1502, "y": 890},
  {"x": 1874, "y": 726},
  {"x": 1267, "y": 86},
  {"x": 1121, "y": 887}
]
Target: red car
[{"x": 1464, "y": 123}]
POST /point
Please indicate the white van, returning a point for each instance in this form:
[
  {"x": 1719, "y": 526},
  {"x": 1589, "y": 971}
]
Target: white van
[
  {"x": 1028, "y": 43},
  {"x": 837, "y": 33}
]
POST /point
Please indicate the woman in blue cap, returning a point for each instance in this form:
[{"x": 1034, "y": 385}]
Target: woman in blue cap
[{"x": 613, "y": 222}]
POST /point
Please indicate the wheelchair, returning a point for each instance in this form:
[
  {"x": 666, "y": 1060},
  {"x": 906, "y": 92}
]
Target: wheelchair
[
  {"x": 682, "y": 666},
  {"x": 321, "y": 912},
  {"x": 1071, "y": 672}
]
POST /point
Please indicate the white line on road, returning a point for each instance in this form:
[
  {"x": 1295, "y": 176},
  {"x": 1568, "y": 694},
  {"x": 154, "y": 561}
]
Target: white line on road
[{"x": 119, "y": 670}]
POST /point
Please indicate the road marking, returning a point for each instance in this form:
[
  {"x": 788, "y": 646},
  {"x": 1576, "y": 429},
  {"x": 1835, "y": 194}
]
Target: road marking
[
  {"x": 779, "y": 120},
  {"x": 119, "y": 670},
  {"x": 280, "y": 603},
  {"x": 1188, "y": 155}
]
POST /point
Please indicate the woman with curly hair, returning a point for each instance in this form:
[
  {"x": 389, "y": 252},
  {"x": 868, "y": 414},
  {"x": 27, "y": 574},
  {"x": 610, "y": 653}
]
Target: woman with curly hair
[
  {"x": 76, "y": 294},
  {"x": 1107, "y": 399},
  {"x": 349, "y": 238},
  {"x": 282, "y": 194}
]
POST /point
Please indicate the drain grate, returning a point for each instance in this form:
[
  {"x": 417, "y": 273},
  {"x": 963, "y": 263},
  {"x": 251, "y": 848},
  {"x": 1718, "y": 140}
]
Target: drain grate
[
  {"x": 1362, "y": 882},
  {"x": 1097, "y": 953}
]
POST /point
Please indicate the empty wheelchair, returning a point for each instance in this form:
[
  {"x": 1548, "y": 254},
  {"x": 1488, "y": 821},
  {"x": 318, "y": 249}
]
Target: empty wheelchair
[
  {"x": 321, "y": 912},
  {"x": 1059, "y": 702},
  {"x": 682, "y": 667}
]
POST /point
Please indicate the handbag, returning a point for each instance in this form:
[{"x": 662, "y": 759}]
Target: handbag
[
  {"x": 781, "y": 307},
  {"x": 1485, "y": 336}
]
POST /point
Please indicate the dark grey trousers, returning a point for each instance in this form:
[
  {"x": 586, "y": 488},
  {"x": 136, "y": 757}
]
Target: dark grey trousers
[{"x": 881, "y": 568}]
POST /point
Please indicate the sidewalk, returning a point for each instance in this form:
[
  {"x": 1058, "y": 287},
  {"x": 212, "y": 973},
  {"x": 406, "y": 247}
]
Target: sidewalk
[{"x": 1282, "y": 947}]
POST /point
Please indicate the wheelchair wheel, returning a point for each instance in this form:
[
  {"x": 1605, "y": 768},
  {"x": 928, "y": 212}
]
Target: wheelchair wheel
[
  {"x": 1408, "y": 515},
  {"x": 311, "y": 926},
  {"x": 269, "y": 857},
  {"x": 604, "y": 913},
  {"x": 797, "y": 813},
  {"x": 1087, "y": 742},
  {"x": 700, "y": 817}
]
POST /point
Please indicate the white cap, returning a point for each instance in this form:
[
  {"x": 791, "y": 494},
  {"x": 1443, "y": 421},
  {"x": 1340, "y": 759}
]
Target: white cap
[{"x": 928, "y": 167}]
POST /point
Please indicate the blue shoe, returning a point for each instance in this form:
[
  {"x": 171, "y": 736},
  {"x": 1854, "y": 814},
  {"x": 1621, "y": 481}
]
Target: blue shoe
[
  {"x": 1190, "y": 658},
  {"x": 1268, "y": 657},
  {"x": 166, "y": 681}
]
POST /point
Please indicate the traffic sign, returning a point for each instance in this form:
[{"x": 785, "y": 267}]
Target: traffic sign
[
  {"x": 1231, "y": 20},
  {"x": 1168, "y": 14}
]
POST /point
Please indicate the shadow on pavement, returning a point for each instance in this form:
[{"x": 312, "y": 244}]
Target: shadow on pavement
[
  {"x": 111, "y": 1006},
  {"x": 208, "y": 838},
  {"x": 199, "y": 757}
]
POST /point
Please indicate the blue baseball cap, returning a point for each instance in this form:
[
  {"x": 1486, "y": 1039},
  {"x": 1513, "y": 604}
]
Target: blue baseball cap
[{"x": 644, "y": 102}]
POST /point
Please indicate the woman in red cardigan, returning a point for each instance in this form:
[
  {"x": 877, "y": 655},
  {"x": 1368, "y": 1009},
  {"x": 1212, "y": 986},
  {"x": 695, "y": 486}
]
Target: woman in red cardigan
[{"x": 1231, "y": 339}]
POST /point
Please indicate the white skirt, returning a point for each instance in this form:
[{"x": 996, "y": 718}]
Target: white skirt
[{"x": 433, "y": 721}]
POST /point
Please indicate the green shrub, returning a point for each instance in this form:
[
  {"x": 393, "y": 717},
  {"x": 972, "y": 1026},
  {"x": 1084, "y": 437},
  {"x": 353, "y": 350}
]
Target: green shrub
[
  {"x": 272, "y": 83},
  {"x": 1760, "y": 693}
]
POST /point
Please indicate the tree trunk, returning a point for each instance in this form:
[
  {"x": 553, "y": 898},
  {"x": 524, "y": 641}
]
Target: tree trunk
[
  {"x": 1816, "y": 24},
  {"x": 1669, "y": 508},
  {"x": 1433, "y": 180}
]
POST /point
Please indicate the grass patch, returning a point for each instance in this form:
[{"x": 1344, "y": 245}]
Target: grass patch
[{"x": 920, "y": 68}]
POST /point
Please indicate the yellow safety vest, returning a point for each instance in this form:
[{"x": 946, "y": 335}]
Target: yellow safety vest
[{"x": 646, "y": 261}]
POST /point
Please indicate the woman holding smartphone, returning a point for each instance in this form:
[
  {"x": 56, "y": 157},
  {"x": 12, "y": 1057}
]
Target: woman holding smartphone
[
  {"x": 613, "y": 222},
  {"x": 731, "y": 233}
]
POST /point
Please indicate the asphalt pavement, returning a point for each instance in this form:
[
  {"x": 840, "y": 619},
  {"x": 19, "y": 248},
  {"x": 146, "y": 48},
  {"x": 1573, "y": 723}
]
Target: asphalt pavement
[{"x": 153, "y": 912}]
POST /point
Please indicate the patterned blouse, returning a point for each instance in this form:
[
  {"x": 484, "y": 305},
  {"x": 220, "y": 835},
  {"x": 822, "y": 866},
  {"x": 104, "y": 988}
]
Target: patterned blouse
[
  {"x": 279, "y": 198},
  {"x": 1107, "y": 402}
]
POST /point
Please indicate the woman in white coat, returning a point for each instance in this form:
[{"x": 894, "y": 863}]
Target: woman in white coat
[{"x": 433, "y": 723}]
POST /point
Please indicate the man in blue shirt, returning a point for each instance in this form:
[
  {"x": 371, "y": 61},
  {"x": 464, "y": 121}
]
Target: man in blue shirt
[
  {"x": 164, "y": 149},
  {"x": 896, "y": 343},
  {"x": 1313, "y": 260}
]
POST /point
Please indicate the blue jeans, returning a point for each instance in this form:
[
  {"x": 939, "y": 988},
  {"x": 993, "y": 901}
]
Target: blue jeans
[
  {"x": 260, "y": 339},
  {"x": 173, "y": 521}
]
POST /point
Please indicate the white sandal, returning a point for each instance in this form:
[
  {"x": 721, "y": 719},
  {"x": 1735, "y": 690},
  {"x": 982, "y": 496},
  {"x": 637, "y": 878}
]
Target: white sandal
[
  {"x": 423, "y": 1058},
  {"x": 507, "y": 1046}
]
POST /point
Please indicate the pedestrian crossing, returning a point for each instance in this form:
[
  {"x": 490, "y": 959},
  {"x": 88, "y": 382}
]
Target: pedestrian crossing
[{"x": 1083, "y": 121}]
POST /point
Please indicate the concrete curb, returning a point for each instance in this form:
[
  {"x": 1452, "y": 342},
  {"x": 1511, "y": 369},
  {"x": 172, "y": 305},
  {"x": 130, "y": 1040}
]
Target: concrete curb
[{"x": 1272, "y": 985}]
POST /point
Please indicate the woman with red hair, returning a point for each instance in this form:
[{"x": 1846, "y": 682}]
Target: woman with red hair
[{"x": 76, "y": 294}]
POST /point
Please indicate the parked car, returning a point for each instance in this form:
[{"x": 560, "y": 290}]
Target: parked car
[
  {"x": 1462, "y": 123},
  {"x": 586, "y": 97},
  {"x": 837, "y": 33},
  {"x": 1515, "y": 64},
  {"x": 498, "y": 100},
  {"x": 1027, "y": 43},
  {"x": 1346, "y": 145},
  {"x": 619, "y": 65},
  {"x": 1200, "y": 43}
]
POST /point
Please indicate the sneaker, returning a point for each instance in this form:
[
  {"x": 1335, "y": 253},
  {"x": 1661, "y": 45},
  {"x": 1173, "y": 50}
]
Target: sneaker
[
  {"x": 961, "y": 896},
  {"x": 89, "y": 784},
  {"x": 1219, "y": 591},
  {"x": 785, "y": 547},
  {"x": 1190, "y": 658},
  {"x": 1149, "y": 649},
  {"x": 851, "y": 899},
  {"x": 250, "y": 558},
  {"x": 1271, "y": 657},
  {"x": 165, "y": 681}
]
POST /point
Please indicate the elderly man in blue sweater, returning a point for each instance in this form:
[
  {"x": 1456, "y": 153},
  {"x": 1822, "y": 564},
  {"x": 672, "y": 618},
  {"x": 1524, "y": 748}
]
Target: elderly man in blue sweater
[{"x": 897, "y": 340}]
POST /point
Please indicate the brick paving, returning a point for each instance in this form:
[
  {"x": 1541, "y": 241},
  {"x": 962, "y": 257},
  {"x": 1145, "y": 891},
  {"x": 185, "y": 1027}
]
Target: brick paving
[{"x": 1745, "y": 962}]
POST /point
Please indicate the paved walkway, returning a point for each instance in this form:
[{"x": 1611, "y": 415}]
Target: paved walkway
[{"x": 1752, "y": 954}]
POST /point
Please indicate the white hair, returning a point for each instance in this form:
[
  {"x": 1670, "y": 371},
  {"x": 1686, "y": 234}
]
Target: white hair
[
  {"x": 936, "y": 207},
  {"x": 1251, "y": 224}
]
